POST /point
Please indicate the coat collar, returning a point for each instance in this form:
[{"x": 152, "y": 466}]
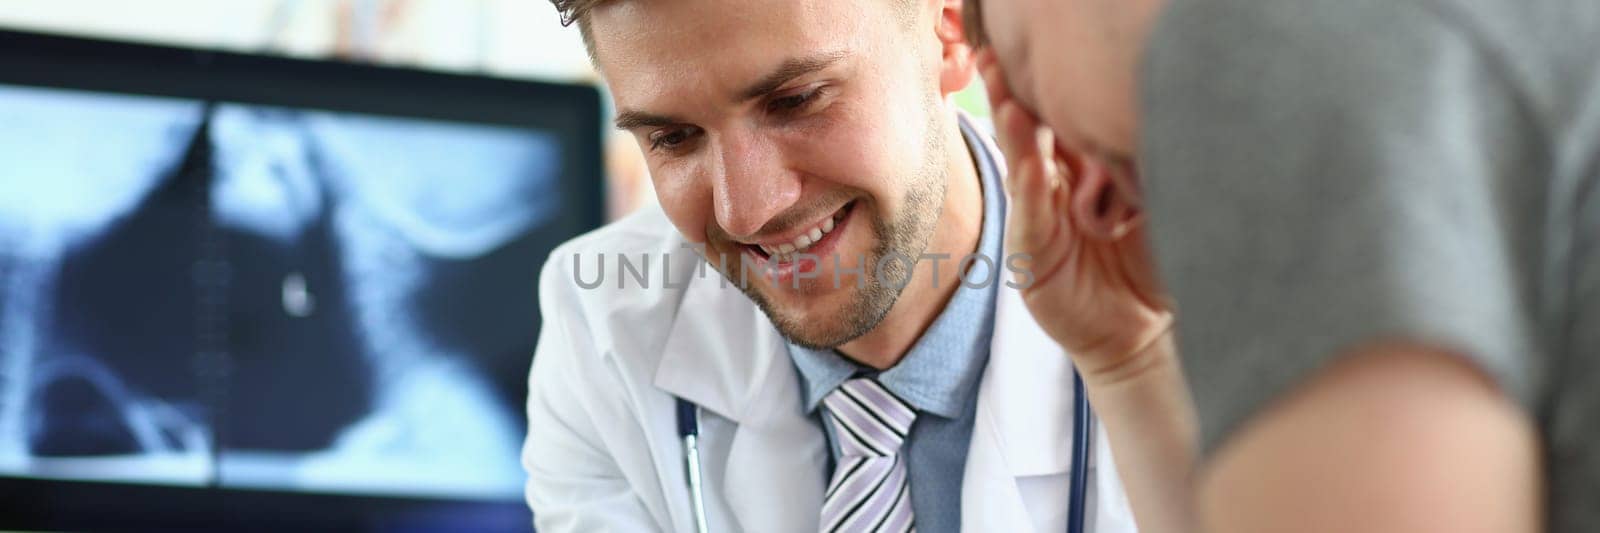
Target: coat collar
[
  {"x": 721, "y": 350},
  {"x": 723, "y": 355},
  {"x": 1026, "y": 391}
]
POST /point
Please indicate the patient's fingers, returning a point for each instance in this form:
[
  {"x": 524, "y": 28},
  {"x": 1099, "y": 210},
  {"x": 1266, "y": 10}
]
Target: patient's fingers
[{"x": 1035, "y": 225}]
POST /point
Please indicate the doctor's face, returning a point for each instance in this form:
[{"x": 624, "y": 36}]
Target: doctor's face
[{"x": 775, "y": 128}]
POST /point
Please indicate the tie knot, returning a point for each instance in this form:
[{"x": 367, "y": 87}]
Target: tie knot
[{"x": 867, "y": 419}]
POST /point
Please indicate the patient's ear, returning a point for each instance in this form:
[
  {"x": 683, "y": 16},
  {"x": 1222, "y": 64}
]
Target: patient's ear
[{"x": 1100, "y": 208}]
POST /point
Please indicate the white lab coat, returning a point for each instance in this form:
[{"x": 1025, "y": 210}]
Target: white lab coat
[{"x": 604, "y": 454}]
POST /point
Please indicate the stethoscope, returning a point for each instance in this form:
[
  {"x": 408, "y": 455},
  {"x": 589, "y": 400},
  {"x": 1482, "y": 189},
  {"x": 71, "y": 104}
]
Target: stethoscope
[{"x": 689, "y": 432}]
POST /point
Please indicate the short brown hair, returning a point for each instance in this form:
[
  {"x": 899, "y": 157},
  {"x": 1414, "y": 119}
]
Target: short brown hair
[
  {"x": 971, "y": 23},
  {"x": 574, "y": 11}
]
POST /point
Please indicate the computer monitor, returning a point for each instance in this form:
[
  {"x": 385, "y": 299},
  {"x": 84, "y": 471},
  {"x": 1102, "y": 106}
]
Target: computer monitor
[{"x": 239, "y": 290}]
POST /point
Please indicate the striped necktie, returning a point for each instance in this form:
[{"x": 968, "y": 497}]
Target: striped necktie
[{"x": 869, "y": 490}]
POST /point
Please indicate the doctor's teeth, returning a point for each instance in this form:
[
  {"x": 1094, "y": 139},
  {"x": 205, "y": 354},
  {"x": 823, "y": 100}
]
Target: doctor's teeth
[{"x": 785, "y": 252}]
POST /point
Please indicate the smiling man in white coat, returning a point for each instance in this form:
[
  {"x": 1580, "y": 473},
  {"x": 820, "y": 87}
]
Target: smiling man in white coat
[{"x": 861, "y": 356}]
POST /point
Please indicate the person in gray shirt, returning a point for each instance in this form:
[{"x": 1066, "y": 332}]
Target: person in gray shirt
[{"x": 1379, "y": 222}]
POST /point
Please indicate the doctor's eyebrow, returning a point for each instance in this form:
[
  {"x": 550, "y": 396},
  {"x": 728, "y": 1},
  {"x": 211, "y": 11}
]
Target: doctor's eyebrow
[
  {"x": 627, "y": 120},
  {"x": 790, "y": 69}
]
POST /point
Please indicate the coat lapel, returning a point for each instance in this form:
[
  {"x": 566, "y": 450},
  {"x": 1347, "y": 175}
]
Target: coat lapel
[
  {"x": 736, "y": 369},
  {"x": 1018, "y": 469},
  {"x": 1021, "y": 445},
  {"x": 1020, "y": 458}
]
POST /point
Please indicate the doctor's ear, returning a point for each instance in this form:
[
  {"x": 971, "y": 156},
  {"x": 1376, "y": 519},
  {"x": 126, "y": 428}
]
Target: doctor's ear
[{"x": 956, "y": 67}]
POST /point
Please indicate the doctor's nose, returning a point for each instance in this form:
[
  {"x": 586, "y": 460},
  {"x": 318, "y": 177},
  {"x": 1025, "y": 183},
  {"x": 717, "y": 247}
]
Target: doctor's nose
[{"x": 751, "y": 184}]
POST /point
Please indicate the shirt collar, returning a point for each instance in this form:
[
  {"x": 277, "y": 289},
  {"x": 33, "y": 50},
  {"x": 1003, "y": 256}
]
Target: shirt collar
[{"x": 941, "y": 370}]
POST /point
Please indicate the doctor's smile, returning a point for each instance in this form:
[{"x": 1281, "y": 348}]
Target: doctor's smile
[{"x": 793, "y": 251}]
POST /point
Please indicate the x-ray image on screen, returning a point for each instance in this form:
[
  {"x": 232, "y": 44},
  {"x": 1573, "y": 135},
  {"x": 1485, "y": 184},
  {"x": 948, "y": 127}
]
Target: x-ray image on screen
[{"x": 211, "y": 293}]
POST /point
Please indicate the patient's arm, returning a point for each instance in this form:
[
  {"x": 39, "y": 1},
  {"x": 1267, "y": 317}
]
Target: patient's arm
[{"x": 1390, "y": 438}]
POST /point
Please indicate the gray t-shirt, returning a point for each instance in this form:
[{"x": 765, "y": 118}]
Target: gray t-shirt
[{"x": 1323, "y": 173}]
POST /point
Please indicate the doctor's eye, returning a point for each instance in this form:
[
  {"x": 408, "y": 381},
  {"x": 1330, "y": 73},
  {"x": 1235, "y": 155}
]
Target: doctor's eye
[
  {"x": 674, "y": 139},
  {"x": 794, "y": 103}
]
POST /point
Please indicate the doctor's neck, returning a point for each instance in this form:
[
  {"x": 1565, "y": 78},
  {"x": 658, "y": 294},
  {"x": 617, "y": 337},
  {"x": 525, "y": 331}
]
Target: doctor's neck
[{"x": 955, "y": 235}]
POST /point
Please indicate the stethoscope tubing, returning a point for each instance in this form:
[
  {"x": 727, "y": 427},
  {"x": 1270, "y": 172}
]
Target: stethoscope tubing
[
  {"x": 689, "y": 430},
  {"x": 1082, "y": 419}
]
